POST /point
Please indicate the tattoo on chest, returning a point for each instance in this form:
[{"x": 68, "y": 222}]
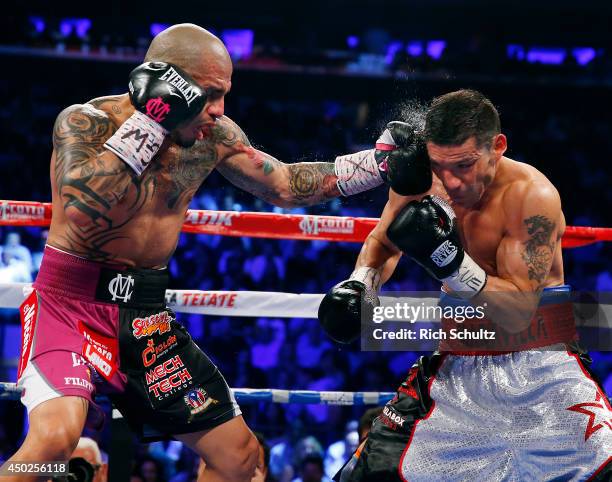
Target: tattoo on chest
[
  {"x": 540, "y": 247},
  {"x": 178, "y": 177},
  {"x": 90, "y": 182}
]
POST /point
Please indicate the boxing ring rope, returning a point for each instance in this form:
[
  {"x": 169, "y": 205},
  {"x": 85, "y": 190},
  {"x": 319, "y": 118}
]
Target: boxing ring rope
[
  {"x": 270, "y": 225},
  {"x": 10, "y": 391},
  {"x": 251, "y": 303}
]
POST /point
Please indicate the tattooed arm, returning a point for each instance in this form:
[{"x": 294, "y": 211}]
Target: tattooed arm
[
  {"x": 527, "y": 250},
  {"x": 284, "y": 185},
  {"x": 89, "y": 179},
  {"x": 526, "y": 253}
]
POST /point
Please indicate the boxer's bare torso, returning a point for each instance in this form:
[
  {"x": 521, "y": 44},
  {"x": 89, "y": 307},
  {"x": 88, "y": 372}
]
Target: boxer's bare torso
[
  {"x": 484, "y": 227},
  {"x": 143, "y": 228},
  {"x": 104, "y": 212},
  {"x": 496, "y": 232}
]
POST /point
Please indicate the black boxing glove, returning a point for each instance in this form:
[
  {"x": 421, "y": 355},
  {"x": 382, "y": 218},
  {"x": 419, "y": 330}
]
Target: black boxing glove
[
  {"x": 427, "y": 231},
  {"x": 402, "y": 158},
  {"x": 164, "y": 96},
  {"x": 399, "y": 159},
  {"x": 340, "y": 310}
]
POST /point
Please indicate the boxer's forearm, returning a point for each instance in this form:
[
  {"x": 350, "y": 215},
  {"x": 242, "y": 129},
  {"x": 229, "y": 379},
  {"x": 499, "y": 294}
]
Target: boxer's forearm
[
  {"x": 374, "y": 254},
  {"x": 308, "y": 183},
  {"x": 278, "y": 183}
]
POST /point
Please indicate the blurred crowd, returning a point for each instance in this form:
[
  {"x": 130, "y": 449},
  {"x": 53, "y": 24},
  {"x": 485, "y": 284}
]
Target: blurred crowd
[
  {"x": 372, "y": 50},
  {"x": 566, "y": 137}
]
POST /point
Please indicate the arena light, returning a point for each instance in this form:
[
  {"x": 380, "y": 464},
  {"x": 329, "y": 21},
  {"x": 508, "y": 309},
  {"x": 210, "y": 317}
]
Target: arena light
[
  {"x": 78, "y": 26},
  {"x": 546, "y": 55},
  {"x": 584, "y": 55},
  {"x": 352, "y": 41},
  {"x": 393, "y": 48},
  {"x": 38, "y": 23},
  {"x": 514, "y": 51},
  {"x": 435, "y": 48},
  {"x": 414, "y": 48},
  {"x": 157, "y": 28},
  {"x": 239, "y": 42}
]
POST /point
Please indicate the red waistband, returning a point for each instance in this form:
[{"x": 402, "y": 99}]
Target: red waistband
[{"x": 551, "y": 324}]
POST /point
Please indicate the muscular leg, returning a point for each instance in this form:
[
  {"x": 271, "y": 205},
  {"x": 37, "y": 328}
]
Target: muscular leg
[
  {"x": 55, "y": 428},
  {"x": 229, "y": 450}
]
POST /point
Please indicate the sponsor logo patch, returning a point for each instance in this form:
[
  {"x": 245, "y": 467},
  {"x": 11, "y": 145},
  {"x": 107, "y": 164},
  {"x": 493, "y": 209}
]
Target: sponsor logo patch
[
  {"x": 79, "y": 382},
  {"x": 391, "y": 418},
  {"x": 168, "y": 378},
  {"x": 28, "y": 312},
  {"x": 100, "y": 352},
  {"x": 157, "y": 323},
  {"x": 152, "y": 351},
  {"x": 198, "y": 400}
]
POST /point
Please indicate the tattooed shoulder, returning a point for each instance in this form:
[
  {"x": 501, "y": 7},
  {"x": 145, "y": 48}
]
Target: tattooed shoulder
[
  {"x": 540, "y": 247},
  {"x": 110, "y": 103},
  {"x": 82, "y": 125}
]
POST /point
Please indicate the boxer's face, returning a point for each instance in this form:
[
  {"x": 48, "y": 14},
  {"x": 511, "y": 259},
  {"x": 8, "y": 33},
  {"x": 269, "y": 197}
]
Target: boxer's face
[
  {"x": 215, "y": 79},
  {"x": 466, "y": 170}
]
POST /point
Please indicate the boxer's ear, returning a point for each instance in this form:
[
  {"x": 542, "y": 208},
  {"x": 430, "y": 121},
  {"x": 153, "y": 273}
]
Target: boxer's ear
[{"x": 499, "y": 146}]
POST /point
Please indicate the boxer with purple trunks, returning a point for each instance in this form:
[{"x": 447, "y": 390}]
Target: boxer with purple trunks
[{"x": 123, "y": 172}]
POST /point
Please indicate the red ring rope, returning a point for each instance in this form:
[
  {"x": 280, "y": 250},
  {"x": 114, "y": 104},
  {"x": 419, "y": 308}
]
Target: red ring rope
[{"x": 270, "y": 225}]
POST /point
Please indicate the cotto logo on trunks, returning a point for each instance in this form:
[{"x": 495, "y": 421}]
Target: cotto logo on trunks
[
  {"x": 444, "y": 253},
  {"x": 315, "y": 225},
  {"x": 121, "y": 288},
  {"x": 168, "y": 377},
  {"x": 152, "y": 351},
  {"x": 13, "y": 212},
  {"x": 159, "y": 322},
  {"x": 210, "y": 218}
]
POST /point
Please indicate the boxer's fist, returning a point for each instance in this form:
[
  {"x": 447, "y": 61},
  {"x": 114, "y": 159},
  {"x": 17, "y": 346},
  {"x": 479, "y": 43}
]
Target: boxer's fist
[
  {"x": 427, "y": 232},
  {"x": 165, "y": 93},
  {"x": 340, "y": 310},
  {"x": 403, "y": 161}
]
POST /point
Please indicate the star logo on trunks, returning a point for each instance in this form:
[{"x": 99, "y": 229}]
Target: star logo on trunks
[
  {"x": 198, "y": 400},
  {"x": 121, "y": 287},
  {"x": 597, "y": 411}
]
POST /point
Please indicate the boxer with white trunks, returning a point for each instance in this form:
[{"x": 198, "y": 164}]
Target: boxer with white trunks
[{"x": 525, "y": 409}]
